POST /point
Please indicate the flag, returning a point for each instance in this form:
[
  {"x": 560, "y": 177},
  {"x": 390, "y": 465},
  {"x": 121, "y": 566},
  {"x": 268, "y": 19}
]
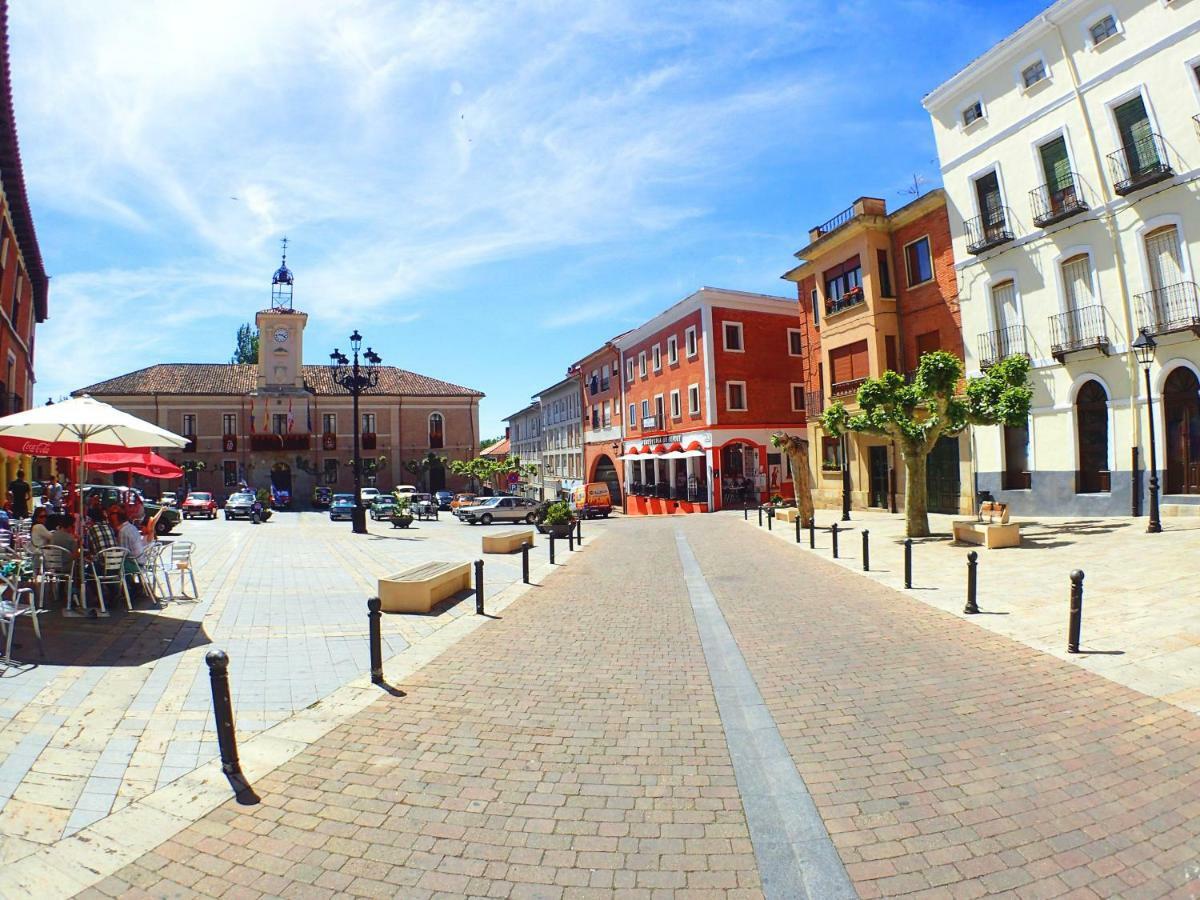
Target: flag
[
  {"x": 252, "y": 429},
  {"x": 291, "y": 420},
  {"x": 308, "y": 416}
]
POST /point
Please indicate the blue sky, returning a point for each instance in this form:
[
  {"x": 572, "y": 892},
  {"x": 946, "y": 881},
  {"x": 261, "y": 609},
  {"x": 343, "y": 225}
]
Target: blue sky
[{"x": 487, "y": 191}]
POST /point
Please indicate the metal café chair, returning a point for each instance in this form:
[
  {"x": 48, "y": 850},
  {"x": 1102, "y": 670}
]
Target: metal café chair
[
  {"x": 11, "y": 610},
  {"x": 148, "y": 566},
  {"x": 108, "y": 567},
  {"x": 181, "y": 562},
  {"x": 51, "y": 566}
]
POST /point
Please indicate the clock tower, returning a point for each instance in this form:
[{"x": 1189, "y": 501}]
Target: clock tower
[{"x": 281, "y": 336}]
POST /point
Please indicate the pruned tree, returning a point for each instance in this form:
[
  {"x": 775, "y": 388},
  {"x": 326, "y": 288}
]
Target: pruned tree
[
  {"x": 796, "y": 448},
  {"x": 915, "y": 415},
  {"x": 478, "y": 471}
]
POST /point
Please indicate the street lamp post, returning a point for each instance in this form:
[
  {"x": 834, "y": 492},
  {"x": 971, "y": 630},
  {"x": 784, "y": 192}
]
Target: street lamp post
[
  {"x": 1143, "y": 348},
  {"x": 357, "y": 380},
  {"x": 845, "y": 478}
]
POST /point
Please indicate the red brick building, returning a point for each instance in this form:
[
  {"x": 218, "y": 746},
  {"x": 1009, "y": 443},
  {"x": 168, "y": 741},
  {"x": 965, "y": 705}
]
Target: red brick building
[
  {"x": 599, "y": 376},
  {"x": 877, "y": 290},
  {"x": 24, "y": 286},
  {"x": 704, "y": 385}
]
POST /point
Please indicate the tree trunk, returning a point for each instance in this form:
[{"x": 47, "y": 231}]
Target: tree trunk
[
  {"x": 797, "y": 452},
  {"x": 916, "y": 493}
]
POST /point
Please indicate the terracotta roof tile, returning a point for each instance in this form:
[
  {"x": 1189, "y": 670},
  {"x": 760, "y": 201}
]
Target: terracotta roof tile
[
  {"x": 501, "y": 448},
  {"x": 236, "y": 380}
]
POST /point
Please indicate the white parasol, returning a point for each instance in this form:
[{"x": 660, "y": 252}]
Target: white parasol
[{"x": 49, "y": 430}]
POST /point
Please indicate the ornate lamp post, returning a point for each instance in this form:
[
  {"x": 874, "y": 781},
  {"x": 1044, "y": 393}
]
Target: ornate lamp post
[
  {"x": 357, "y": 380},
  {"x": 845, "y": 478},
  {"x": 1143, "y": 348}
]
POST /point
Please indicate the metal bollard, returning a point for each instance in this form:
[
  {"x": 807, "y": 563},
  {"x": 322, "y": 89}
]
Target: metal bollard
[
  {"x": 833, "y": 533},
  {"x": 745, "y": 514},
  {"x": 760, "y": 517},
  {"x": 866, "y": 551},
  {"x": 908, "y": 563},
  {"x": 218, "y": 675},
  {"x": 551, "y": 549},
  {"x": 579, "y": 531},
  {"x": 770, "y": 518},
  {"x": 479, "y": 587},
  {"x": 797, "y": 529},
  {"x": 812, "y": 532},
  {"x": 373, "y": 617},
  {"x": 571, "y": 539},
  {"x": 972, "y": 572},
  {"x": 525, "y": 562},
  {"x": 1076, "y": 611}
]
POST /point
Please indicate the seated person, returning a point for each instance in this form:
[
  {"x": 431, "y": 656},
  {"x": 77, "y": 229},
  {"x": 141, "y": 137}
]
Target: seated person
[
  {"x": 129, "y": 536},
  {"x": 63, "y": 535},
  {"x": 39, "y": 534},
  {"x": 103, "y": 533}
]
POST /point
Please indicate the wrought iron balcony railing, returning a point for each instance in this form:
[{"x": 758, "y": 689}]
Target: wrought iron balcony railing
[
  {"x": 846, "y": 388},
  {"x": 850, "y": 299},
  {"x": 267, "y": 442},
  {"x": 1001, "y": 344},
  {"x": 1078, "y": 329},
  {"x": 1171, "y": 308},
  {"x": 1140, "y": 164},
  {"x": 814, "y": 402},
  {"x": 1052, "y": 205},
  {"x": 837, "y": 221},
  {"x": 989, "y": 230}
]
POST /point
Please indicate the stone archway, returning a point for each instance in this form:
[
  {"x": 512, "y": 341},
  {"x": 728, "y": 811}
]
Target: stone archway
[{"x": 605, "y": 470}]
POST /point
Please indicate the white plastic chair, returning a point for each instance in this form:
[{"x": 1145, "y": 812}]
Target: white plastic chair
[
  {"x": 11, "y": 610},
  {"x": 181, "y": 562},
  {"x": 108, "y": 567}
]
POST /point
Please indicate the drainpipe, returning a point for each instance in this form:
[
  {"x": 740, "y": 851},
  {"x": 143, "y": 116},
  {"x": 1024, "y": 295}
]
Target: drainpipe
[{"x": 1109, "y": 219}]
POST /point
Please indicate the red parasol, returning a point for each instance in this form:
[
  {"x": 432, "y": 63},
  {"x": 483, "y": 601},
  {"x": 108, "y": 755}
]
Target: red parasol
[{"x": 137, "y": 462}]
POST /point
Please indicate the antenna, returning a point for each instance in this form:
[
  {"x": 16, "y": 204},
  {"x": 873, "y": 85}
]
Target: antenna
[{"x": 914, "y": 190}]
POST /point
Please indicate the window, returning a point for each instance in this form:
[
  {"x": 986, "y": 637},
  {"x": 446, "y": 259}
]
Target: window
[
  {"x": 189, "y": 425},
  {"x": 927, "y": 343},
  {"x": 672, "y": 350},
  {"x": 633, "y": 417},
  {"x": 437, "y": 436},
  {"x": 689, "y": 341},
  {"x": 816, "y": 307},
  {"x": 629, "y": 370},
  {"x": 1091, "y": 424},
  {"x": 733, "y": 337},
  {"x": 604, "y": 382},
  {"x": 1016, "y": 459},
  {"x": 279, "y": 423},
  {"x": 891, "y": 358},
  {"x": 676, "y": 411},
  {"x": 991, "y": 204},
  {"x": 329, "y": 423},
  {"x": 694, "y": 399},
  {"x": 918, "y": 262},
  {"x": 1104, "y": 29},
  {"x": 797, "y": 397},
  {"x": 1165, "y": 256},
  {"x": 972, "y": 113},
  {"x": 658, "y": 411},
  {"x": 1137, "y": 137},
  {"x": 831, "y": 454},
  {"x": 228, "y": 424},
  {"x": 844, "y": 283},
  {"x": 735, "y": 396},
  {"x": 16, "y": 301},
  {"x": 331, "y": 471},
  {"x": 1056, "y": 167},
  {"x": 368, "y": 423},
  {"x": 607, "y": 413},
  {"x": 656, "y": 354},
  {"x": 1077, "y": 287},
  {"x": 1033, "y": 73},
  {"x": 795, "y": 342},
  {"x": 229, "y": 469},
  {"x": 885, "y": 273},
  {"x": 642, "y": 363},
  {"x": 645, "y": 409},
  {"x": 849, "y": 364}
]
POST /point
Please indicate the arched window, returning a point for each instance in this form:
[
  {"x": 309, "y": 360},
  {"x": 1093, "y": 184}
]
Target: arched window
[
  {"x": 1091, "y": 432},
  {"x": 437, "y": 438}
]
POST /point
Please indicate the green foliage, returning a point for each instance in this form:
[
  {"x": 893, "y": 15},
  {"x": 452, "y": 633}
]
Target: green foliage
[
  {"x": 557, "y": 512},
  {"x": 263, "y": 496},
  {"x": 403, "y": 503},
  {"x": 246, "y": 349},
  {"x": 486, "y": 470},
  {"x": 1002, "y": 396}
]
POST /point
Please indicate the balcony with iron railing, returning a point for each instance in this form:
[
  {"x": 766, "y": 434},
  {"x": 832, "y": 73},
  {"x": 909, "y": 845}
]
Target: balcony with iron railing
[
  {"x": 1001, "y": 344},
  {"x": 1140, "y": 164},
  {"x": 651, "y": 423},
  {"x": 852, "y": 298},
  {"x": 1051, "y": 205},
  {"x": 1078, "y": 329},
  {"x": 268, "y": 442},
  {"x": 989, "y": 230},
  {"x": 814, "y": 402},
  {"x": 846, "y": 388},
  {"x": 1171, "y": 308}
]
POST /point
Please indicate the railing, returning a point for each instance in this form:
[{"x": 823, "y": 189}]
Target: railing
[
  {"x": 268, "y": 442},
  {"x": 853, "y": 297},
  {"x": 846, "y": 388},
  {"x": 1137, "y": 165},
  {"x": 368, "y": 440},
  {"x": 837, "y": 221},
  {"x": 989, "y": 230},
  {"x": 814, "y": 402},
  {"x": 1000, "y": 344},
  {"x": 650, "y": 423},
  {"x": 1078, "y": 329},
  {"x": 1170, "y": 308},
  {"x": 1196, "y": 123},
  {"x": 329, "y": 441},
  {"x": 1053, "y": 205}
]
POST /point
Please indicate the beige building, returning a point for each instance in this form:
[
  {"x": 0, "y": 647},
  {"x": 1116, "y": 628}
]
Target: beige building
[{"x": 288, "y": 425}]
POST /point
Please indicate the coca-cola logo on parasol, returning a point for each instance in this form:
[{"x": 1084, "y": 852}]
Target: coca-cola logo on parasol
[{"x": 35, "y": 448}]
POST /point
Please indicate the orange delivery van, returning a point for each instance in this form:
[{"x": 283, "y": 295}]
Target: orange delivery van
[{"x": 591, "y": 500}]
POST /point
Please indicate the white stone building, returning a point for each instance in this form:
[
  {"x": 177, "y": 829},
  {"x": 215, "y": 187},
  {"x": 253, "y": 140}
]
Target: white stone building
[
  {"x": 562, "y": 440},
  {"x": 1070, "y": 154},
  {"x": 525, "y": 442}
]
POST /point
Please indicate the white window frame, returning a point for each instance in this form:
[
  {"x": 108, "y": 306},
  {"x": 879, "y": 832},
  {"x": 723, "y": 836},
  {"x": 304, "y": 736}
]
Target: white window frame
[
  {"x": 1036, "y": 150},
  {"x": 792, "y": 395},
  {"x": 691, "y": 345},
  {"x": 963, "y": 124},
  {"x": 745, "y": 407},
  {"x": 974, "y": 177},
  {"x": 725, "y": 326},
  {"x": 932, "y": 273},
  {"x": 656, "y": 357},
  {"x": 629, "y": 369},
  {"x": 230, "y": 415},
  {"x": 633, "y": 419},
  {"x": 798, "y": 332},
  {"x": 660, "y": 401},
  {"x": 1138, "y": 90},
  {"x": 693, "y": 394},
  {"x": 672, "y": 350},
  {"x": 642, "y": 363},
  {"x": 1037, "y": 85},
  {"x": 1070, "y": 253},
  {"x": 646, "y": 409},
  {"x": 676, "y": 406},
  {"x": 998, "y": 278},
  {"x": 1098, "y": 16}
]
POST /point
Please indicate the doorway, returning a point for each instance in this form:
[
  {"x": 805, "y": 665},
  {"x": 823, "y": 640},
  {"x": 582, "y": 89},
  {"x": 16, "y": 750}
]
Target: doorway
[
  {"x": 607, "y": 473},
  {"x": 437, "y": 477},
  {"x": 942, "y": 477},
  {"x": 281, "y": 478},
  {"x": 878, "y": 481},
  {"x": 1181, "y": 405}
]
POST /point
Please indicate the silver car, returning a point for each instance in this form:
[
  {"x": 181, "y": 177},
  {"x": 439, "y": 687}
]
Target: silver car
[{"x": 499, "y": 509}]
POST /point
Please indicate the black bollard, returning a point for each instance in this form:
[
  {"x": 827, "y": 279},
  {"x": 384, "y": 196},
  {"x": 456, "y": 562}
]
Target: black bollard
[
  {"x": 812, "y": 532},
  {"x": 552, "y": 549},
  {"x": 833, "y": 533},
  {"x": 218, "y": 675},
  {"x": 579, "y": 531},
  {"x": 797, "y": 528},
  {"x": 908, "y": 563},
  {"x": 972, "y": 571},
  {"x": 770, "y": 518},
  {"x": 1076, "y": 611},
  {"x": 525, "y": 562},
  {"x": 745, "y": 514},
  {"x": 479, "y": 587},
  {"x": 373, "y": 617},
  {"x": 571, "y": 539},
  {"x": 866, "y": 551},
  {"x": 760, "y": 517}
]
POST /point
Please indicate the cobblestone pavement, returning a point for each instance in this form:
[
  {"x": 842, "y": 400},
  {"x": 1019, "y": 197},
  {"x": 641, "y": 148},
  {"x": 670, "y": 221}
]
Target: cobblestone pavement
[
  {"x": 575, "y": 748},
  {"x": 121, "y": 706}
]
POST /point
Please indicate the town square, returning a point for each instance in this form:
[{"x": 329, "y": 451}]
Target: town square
[{"x": 444, "y": 456}]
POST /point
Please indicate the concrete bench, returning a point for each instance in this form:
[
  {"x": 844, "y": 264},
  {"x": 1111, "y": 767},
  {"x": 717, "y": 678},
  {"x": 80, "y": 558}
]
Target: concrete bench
[
  {"x": 416, "y": 590},
  {"x": 991, "y": 534},
  {"x": 786, "y": 514},
  {"x": 507, "y": 541}
]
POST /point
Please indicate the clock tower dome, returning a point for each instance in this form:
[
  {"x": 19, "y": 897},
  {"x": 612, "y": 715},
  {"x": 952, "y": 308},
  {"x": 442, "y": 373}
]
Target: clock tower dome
[{"x": 281, "y": 336}]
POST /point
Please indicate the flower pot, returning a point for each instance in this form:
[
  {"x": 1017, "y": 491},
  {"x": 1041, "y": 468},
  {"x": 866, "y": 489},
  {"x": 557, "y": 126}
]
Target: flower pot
[
  {"x": 560, "y": 529},
  {"x": 402, "y": 521}
]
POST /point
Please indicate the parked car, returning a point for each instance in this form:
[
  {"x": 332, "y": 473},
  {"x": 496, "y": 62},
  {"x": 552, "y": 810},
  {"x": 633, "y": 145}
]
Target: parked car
[
  {"x": 167, "y": 499},
  {"x": 444, "y": 498},
  {"x": 238, "y": 505},
  {"x": 109, "y": 492},
  {"x": 199, "y": 503},
  {"x": 341, "y": 507},
  {"x": 383, "y": 507},
  {"x": 322, "y": 497},
  {"x": 499, "y": 509},
  {"x": 405, "y": 489},
  {"x": 463, "y": 500}
]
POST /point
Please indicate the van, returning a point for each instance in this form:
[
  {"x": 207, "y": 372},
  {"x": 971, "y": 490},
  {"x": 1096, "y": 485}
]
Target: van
[{"x": 591, "y": 500}]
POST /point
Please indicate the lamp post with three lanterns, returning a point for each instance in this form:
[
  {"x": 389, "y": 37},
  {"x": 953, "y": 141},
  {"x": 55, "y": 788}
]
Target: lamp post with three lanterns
[{"x": 357, "y": 380}]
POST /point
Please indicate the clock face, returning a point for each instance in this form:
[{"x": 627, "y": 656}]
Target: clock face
[{"x": 281, "y": 335}]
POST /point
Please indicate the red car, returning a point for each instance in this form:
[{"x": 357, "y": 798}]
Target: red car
[{"x": 199, "y": 504}]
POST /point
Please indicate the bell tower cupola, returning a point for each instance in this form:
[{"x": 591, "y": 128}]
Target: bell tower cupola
[{"x": 281, "y": 335}]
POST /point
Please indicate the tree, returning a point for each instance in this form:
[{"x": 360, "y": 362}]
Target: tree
[
  {"x": 916, "y": 415},
  {"x": 487, "y": 442},
  {"x": 191, "y": 468},
  {"x": 423, "y": 466},
  {"x": 479, "y": 470},
  {"x": 246, "y": 350},
  {"x": 796, "y": 449}
]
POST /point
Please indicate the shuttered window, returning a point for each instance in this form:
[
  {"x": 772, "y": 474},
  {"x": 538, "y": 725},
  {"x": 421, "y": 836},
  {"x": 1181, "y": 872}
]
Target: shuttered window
[
  {"x": 1056, "y": 165},
  {"x": 849, "y": 363},
  {"x": 1133, "y": 123},
  {"x": 1077, "y": 281},
  {"x": 1004, "y": 302},
  {"x": 1166, "y": 261}
]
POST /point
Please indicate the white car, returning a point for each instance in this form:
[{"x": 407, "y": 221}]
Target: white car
[
  {"x": 368, "y": 495},
  {"x": 405, "y": 489},
  {"x": 499, "y": 509}
]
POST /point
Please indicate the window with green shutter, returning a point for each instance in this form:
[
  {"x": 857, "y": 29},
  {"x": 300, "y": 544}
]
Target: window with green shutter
[
  {"x": 1056, "y": 165},
  {"x": 1133, "y": 124}
]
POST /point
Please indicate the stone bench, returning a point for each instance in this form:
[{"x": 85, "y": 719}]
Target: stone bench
[
  {"x": 990, "y": 534},
  {"x": 507, "y": 541},
  {"x": 416, "y": 590},
  {"x": 786, "y": 514}
]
